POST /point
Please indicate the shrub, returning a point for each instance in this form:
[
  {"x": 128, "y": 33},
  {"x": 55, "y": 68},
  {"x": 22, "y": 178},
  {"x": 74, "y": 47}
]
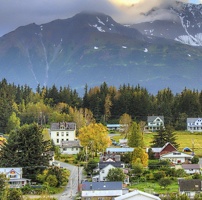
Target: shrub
[
  {"x": 158, "y": 175},
  {"x": 164, "y": 182},
  {"x": 52, "y": 180}
]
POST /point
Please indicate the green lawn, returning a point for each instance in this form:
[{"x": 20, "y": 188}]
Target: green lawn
[
  {"x": 154, "y": 187},
  {"x": 183, "y": 138}
]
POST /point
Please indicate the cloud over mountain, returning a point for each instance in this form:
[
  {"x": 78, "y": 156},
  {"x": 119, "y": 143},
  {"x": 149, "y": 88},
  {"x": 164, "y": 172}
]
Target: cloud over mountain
[{"x": 39, "y": 12}]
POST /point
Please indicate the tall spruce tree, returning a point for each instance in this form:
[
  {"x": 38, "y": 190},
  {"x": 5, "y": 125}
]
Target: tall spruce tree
[
  {"x": 26, "y": 148},
  {"x": 163, "y": 136}
]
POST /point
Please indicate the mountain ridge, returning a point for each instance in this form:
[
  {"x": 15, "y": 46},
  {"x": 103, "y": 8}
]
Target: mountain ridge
[{"x": 91, "y": 48}]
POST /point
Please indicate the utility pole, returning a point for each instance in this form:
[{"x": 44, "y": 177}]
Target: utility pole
[
  {"x": 71, "y": 187},
  {"x": 193, "y": 147},
  {"x": 78, "y": 179}
]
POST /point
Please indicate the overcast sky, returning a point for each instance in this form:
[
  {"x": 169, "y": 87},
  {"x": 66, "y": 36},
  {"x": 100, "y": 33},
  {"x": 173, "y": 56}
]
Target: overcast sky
[{"x": 15, "y": 13}]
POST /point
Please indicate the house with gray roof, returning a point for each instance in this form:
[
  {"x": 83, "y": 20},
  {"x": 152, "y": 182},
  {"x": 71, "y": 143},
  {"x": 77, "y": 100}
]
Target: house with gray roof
[
  {"x": 62, "y": 131},
  {"x": 102, "y": 190},
  {"x": 190, "y": 187},
  {"x": 117, "y": 164},
  {"x": 70, "y": 147},
  {"x": 191, "y": 168},
  {"x": 154, "y": 123},
  {"x": 194, "y": 124}
]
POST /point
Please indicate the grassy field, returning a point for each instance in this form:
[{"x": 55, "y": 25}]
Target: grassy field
[
  {"x": 154, "y": 187},
  {"x": 183, "y": 138}
]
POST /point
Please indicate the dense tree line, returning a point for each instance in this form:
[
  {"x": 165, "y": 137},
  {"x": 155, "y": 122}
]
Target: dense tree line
[{"x": 106, "y": 104}]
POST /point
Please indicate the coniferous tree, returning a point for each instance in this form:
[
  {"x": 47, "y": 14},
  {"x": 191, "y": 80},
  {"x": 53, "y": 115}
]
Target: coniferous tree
[
  {"x": 6, "y": 102},
  {"x": 26, "y": 148},
  {"x": 163, "y": 136}
]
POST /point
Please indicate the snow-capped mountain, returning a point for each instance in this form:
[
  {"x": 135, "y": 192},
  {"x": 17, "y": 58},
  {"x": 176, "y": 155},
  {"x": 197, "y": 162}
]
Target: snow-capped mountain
[
  {"x": 91, "y": 48},
  {"x": 183, "y": 24}
]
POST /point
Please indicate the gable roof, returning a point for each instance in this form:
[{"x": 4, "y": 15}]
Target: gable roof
[
  {"x": 111, "y": 166},
  {"x": 136, "y": 193},
  {"x": 168, "y": 143},
  {"x": 152, "y": 118},
  {"x": 116, "y": 185},
  {"x": 190, "y": 185},
  {"x": 190, "y": 166},
  {"x": 192, "y": 120},
  {"x": 7, "y": 170},
  {"x": 67, "y": 126},
  {"x": 118, "y": 164},
  {"x": 160, "y": 149}
]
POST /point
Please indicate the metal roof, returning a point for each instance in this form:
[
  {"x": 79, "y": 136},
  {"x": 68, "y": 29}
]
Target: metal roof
[
  {"x": 120, "y": 150},
  {"x": 116, "y": 185}
]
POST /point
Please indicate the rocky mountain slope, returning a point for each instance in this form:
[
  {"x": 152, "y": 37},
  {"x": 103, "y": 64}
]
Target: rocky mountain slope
[
  {"x": 183, "y": 23},
  {"x": 91, "y": 48}
]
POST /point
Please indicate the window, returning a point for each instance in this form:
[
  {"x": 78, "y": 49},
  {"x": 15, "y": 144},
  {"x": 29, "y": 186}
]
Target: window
[
  {"x": 62, "y": 134},
  {"x": 57, "y": 133},
  {"x": 67, "y": 134},
  {"x": 57, "y": 140},
  {"x": 12, "y": 175},
  {"x": 62, "y": 127},
  {"x": 103, "y": 171},
  {"x": 67, "y": 139},
  {"x": 176, "y": 153}
]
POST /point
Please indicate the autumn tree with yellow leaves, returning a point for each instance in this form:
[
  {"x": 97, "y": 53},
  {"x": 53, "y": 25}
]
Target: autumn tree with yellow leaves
[
  {"x": 125, "y": 121},
  {"x": 94, "y": 138},
  {"x": 139, "y": 156}
]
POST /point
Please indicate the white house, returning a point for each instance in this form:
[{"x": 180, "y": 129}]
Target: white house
[
  {"x": 154, "y": 123},
  {"x": 63, "y": 131},
  {"x": 176, "y": 157},
  {"x": 191, "y": 168},
  {"x": 101, "y": 189},
  {"x": 103, "y": 172},
  {"x": 194, "y": 124},
  {"x": 70, "y": 147},
  {"x": 137, "y": 195},
  {"x": 15, "y": 177}
]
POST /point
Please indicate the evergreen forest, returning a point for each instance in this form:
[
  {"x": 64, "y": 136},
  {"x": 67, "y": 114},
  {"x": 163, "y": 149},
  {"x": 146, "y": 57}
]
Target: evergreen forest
[{"x": 21, "y": 105}]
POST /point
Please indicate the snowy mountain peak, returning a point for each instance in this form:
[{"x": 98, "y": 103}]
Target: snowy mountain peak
[{"x": 182, "y": 22}]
